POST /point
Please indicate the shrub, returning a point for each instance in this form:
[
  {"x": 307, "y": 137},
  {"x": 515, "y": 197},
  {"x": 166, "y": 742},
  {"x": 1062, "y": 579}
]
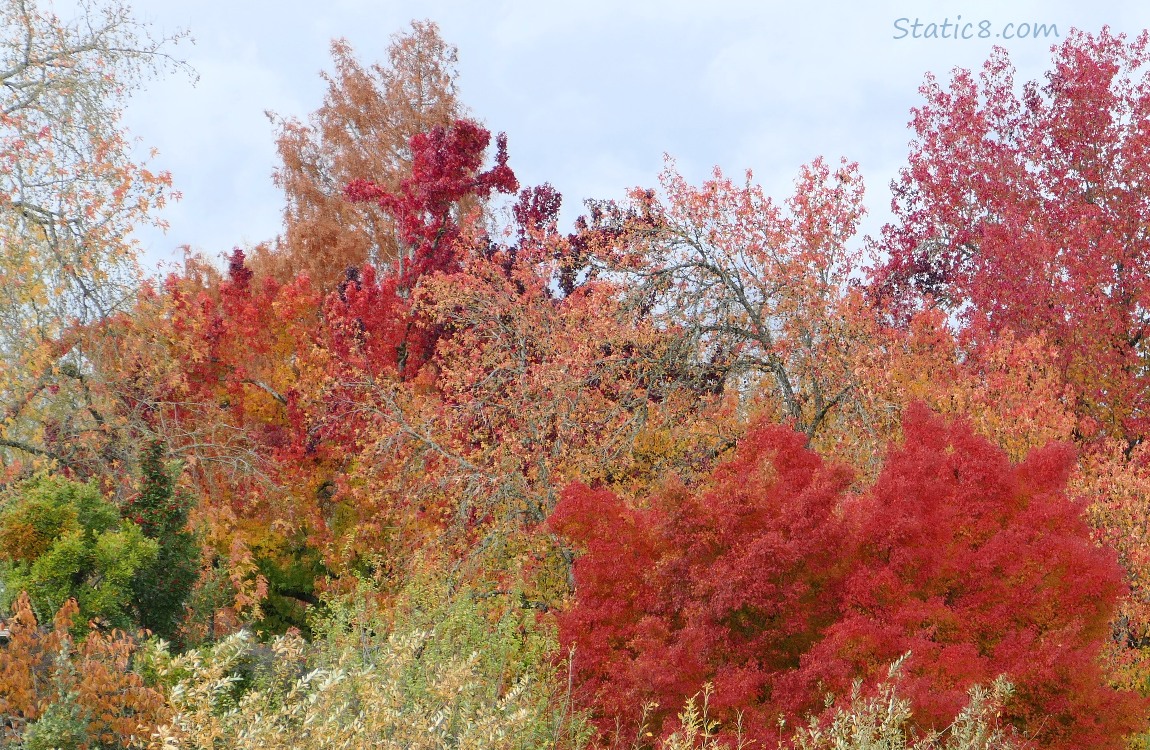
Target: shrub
[
  {"x": 161, "y": 587},
  {"x": 442, "y": 671},
  {"x": 60, "y": 540},
  {"x": 55, "y": 693},
  {"x": 776, "y": 585}
]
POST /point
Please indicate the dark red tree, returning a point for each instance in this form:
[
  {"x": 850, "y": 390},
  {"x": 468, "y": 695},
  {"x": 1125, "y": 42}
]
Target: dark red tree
[
  {"x": 445, "y": 175},
  {"x": 370, "y": 317}
]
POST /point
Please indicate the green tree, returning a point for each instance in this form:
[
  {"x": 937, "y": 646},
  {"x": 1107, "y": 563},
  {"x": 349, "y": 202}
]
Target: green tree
[
  {"x": 61, "y": 540},
  {"x": 160, "y": 509}
]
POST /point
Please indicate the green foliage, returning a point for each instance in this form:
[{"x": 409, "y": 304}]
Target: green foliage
[
  {"x": 162, "y": 588},
  {"x": 441, "y": 670},
  {"x": 291, "y": 567},
  {"x": 62, "y": 540},
  {"x": 882, "y": 722},
  {"x": 62, "y": 726}
]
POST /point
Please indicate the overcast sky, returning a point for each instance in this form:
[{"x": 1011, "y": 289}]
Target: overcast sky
[{"x": 591, "y": 94}]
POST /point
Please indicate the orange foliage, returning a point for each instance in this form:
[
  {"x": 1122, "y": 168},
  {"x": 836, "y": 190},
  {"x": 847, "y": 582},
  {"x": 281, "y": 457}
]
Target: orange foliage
[
  {"x": 1009, "y": 389},
  {"x": 41, "y": 667},
  {"x": 361, "y": 131},
  {"x": 1116, "y": 482}
]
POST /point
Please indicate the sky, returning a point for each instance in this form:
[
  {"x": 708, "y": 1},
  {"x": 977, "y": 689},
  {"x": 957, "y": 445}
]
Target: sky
[{"x": 592, "y": 95}]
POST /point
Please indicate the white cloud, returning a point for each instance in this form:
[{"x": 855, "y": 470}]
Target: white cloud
[{"x": 591, "y": 94}]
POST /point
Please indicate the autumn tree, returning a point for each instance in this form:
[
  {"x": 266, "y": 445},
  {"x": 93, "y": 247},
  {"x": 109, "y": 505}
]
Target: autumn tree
[
  {"x": 361, "y": 131},
  {"x": 1020, "y": 217},
  {"x": 480, "y": 378},
  {"x": 1021, "y": 209},
  {"x": 730, "y": 584},
  {"x": 1011, "y": 389},
  {"x": 265, "y": 398},
  {"x": 756, "y": 290},
  {"x": 777, "y": 586},
  {"x": 57, "y": 693},
  {"x": 70, "y": 195},
  {"x": 978, "y": 567},
  {"x": 214, "y": 364}
]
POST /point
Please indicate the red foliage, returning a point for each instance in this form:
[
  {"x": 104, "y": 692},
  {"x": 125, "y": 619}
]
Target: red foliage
[
  {"x": 778, "y": 586},
  {"x": 1025, "y": 210},
  {"x": 373, "y": 318},
  {"x": 729, "y": 585},
  {"x": 979, "y": 568},
  {"x": 444, "y": 171}
]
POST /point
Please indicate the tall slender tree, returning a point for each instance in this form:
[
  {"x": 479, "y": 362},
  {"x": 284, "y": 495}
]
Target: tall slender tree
[
  {"x": 361, "y": 131},
  {"x": 71, "y": 192}
]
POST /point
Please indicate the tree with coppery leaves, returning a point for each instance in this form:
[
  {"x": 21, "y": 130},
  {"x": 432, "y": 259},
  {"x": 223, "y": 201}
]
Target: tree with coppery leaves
[
  {"x": 757, "y": 291},
  {"x": 361, "y": 131},
  {"x": 56, "y": 692}
]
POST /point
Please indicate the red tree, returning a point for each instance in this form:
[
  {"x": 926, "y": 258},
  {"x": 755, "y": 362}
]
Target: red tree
[
  {"x": 371, "y": 315},
  {"x": 1025, "y": 210},
  {"x": 445, "y": 169},
  {"x": 979, "y": 568},
  {"x": 729, "y": 585},
  {"x": 778, "y": 586},
  {"x": 362, "y": 129}
]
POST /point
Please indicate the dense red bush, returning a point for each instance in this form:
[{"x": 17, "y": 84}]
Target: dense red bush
[
  {"x": 978, "y": 568},
  {"x": 779, "y": 586},
  {"x": 729, "y": 585}
]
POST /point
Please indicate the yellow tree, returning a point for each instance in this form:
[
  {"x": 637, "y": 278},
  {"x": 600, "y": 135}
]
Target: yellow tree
[{"x": 70, "y": 195}]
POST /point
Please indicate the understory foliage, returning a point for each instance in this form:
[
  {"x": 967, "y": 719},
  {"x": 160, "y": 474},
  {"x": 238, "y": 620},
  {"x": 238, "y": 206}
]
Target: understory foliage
[
  {"x": 440, "y": 670},
  {"x": 61, "y": 541},
  {"x": 161, "y": 588},
  {"x": 56, "y": 692},
  {"x": 666, "y": 480},
  {"x": 881, "y": 721}
]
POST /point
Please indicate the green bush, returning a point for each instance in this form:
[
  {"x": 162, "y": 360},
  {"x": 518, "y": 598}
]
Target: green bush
[
  {"x": 62, "y": 726},
  {"x": 61, "y": 540}
]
